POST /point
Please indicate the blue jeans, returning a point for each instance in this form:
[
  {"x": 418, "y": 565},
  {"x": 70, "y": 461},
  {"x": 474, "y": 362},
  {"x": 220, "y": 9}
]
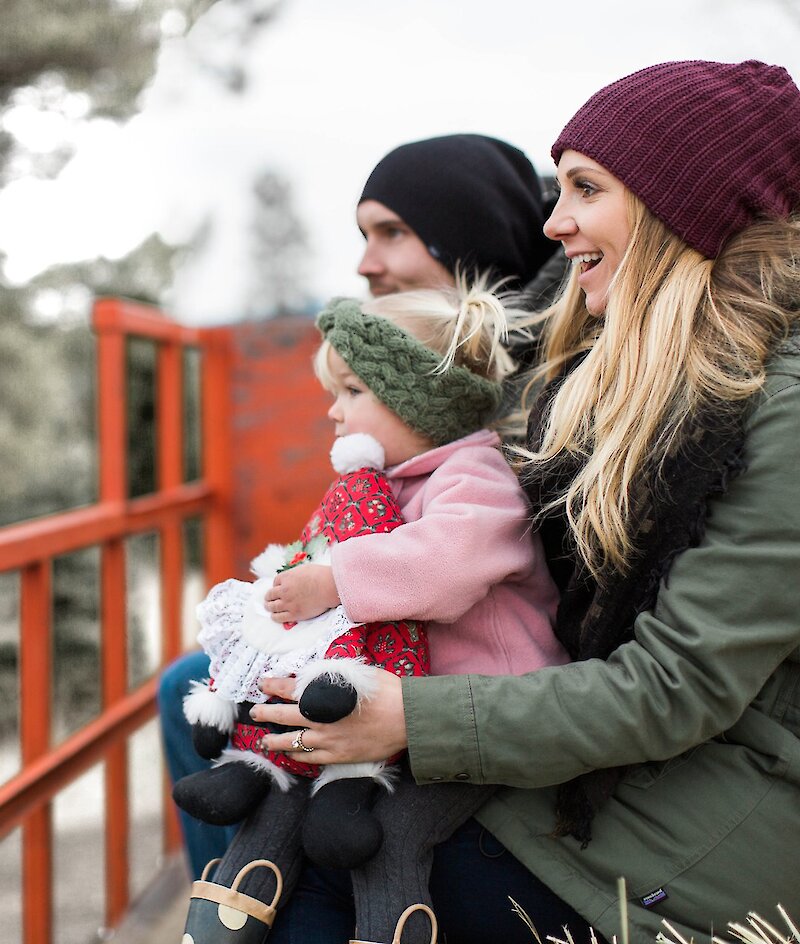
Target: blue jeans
[
  {"x": 473, "y": 877},
  {"x": 203, "y": 842}
]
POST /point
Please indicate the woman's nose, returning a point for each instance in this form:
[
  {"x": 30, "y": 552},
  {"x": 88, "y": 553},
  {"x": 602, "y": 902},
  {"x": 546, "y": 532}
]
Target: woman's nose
[{"x": 560, "y": 223}]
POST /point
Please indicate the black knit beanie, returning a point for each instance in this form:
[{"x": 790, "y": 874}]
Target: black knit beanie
[{"x": 473, "y": 200}]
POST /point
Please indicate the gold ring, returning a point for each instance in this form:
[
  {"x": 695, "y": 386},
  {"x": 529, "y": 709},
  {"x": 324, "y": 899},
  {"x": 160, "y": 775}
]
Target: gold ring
[{"x": 297, "y": 743}]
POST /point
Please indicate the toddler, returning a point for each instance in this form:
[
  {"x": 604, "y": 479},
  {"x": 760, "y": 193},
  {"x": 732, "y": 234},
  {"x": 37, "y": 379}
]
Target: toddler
[{"x": 421, "y": 373}]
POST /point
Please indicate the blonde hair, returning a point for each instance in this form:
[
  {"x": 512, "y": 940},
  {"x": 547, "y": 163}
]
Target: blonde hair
[
  {"x": 680, "y": 332},
  {"x": 466, "y": 325}
]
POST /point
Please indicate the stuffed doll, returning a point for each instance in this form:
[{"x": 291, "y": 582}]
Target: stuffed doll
[{"x": 332, "y": 659}]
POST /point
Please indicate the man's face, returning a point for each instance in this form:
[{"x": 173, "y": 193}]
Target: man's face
[{"x": 395, "y": 258}]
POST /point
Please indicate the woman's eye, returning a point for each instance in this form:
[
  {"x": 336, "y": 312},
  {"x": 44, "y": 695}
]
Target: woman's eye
[{"x": 587, "y": 188}]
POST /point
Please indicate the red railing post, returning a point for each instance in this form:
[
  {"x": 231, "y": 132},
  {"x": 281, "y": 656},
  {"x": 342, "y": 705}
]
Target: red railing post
[
  {"x": 169, "y": 450},
  {"x": 30, "y": 547},
  {"x": 35, "y": 714},
  {"x": 217, "y": 454},
  {"x": 112, "y": 441},
  {"x": 170, "y": 474}
]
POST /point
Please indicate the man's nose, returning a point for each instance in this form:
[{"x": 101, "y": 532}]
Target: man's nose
[{"x": 371, "y": 262}]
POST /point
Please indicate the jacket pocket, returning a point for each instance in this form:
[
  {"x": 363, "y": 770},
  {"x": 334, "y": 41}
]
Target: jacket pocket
[{"x": 643, "y": 776}]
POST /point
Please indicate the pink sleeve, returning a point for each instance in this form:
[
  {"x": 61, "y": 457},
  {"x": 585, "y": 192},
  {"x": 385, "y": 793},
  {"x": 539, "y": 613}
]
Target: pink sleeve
[{"x": 474, "y": 532}]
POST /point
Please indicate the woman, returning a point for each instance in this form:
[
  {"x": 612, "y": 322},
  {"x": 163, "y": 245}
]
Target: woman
[{"x": 663, "y": 451}]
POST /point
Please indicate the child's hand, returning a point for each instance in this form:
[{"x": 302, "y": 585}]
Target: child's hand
[{"x": 302, "y": 592}]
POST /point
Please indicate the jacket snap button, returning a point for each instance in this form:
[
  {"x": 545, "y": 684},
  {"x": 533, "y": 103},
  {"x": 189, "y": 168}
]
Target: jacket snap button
[
  {"x": 436, "y": 779},
  {"x": 462, "y": 776}
]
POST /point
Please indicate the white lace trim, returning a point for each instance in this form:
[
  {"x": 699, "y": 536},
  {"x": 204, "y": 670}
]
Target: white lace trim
[{"x": 236, "y": 664}]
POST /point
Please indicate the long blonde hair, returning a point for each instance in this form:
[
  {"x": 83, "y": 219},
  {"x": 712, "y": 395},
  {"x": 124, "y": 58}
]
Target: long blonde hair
[{"x": 680, "y": 332}]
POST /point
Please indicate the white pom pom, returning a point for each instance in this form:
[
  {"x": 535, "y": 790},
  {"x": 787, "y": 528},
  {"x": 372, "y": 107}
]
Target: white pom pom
[
  {"x": 357, "y": 451},
  {"x": 269, "y": 561}
]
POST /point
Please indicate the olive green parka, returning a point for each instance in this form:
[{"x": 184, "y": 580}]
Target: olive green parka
[{"x": 704, "y": 704}]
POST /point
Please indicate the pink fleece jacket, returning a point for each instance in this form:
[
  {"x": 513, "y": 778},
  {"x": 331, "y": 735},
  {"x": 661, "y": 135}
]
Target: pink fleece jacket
[{"x": 465, "y": 561}]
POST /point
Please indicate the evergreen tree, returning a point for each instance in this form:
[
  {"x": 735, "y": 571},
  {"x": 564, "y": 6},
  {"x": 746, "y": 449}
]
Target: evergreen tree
[{"x": 279, "y": 250}]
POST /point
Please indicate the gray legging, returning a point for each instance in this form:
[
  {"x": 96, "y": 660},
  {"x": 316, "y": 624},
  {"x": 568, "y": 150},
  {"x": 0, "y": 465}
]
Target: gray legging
[{"x": 414, "y": 819}]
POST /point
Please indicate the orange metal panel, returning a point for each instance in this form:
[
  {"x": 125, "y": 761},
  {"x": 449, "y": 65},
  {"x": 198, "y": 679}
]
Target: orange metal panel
[{"x": 280, "y": 432}]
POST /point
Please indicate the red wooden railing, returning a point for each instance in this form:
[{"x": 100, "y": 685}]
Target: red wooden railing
[
  {"x": 30, "y": 548},
  {"x": 265, "y": 439}
]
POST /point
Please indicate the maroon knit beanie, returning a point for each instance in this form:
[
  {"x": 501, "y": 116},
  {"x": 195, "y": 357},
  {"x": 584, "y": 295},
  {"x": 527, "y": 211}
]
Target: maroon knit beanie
[{"x": 709, "y": 147}]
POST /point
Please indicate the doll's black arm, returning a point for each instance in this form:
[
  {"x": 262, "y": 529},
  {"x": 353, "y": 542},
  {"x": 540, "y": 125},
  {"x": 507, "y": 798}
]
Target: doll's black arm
[
  {"x": 326, "y": 700},
  {"x": 208, "y": 740}
]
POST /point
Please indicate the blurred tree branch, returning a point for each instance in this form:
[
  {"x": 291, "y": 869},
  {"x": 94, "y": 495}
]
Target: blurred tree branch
[{"x": 103, "y": 47}]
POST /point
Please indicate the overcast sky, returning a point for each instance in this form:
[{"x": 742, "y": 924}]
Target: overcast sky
[{"x": 335, "y": 85}]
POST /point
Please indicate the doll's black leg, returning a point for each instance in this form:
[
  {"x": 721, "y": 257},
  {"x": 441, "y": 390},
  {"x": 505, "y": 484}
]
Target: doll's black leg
[
  {"x": 340, "y": 830},
  {"x": 208, "y": 741},
  {"x": 413, "y": 819},
  {"x": 223, "y": 795},
  {"x": 272, "y": 831}
]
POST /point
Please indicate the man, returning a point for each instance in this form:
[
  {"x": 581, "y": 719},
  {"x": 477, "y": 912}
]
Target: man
[
  {"x": 430, "y": 208},
  {"x": 463, "y": 200}
]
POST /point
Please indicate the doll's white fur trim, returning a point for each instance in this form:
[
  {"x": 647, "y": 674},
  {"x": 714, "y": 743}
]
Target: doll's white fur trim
[
  {"x": 204, "y": 706},
  {"x": 269, "y": 561},
  {"x": 363, "y": 678},
  {"x": 281, "y": 778},
  {"x": 378, "y": 771},
  {"x": 313, "y": 636},
  {"x": 357, "y": 451}
]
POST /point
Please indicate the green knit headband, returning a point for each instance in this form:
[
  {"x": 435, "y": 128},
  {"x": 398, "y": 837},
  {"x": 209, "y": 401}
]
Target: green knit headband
[{"x": 398, "y": 369}]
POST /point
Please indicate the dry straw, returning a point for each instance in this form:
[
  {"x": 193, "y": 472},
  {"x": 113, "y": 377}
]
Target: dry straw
[{"x": 756, "y": 931}]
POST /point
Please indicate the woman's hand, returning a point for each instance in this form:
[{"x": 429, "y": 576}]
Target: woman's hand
[
  {"x": 374, "y": 731},
  {"x": 301, "y": 593}
]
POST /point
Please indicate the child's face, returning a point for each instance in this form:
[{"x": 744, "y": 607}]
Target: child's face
[{"x": 356, "y": 409}]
